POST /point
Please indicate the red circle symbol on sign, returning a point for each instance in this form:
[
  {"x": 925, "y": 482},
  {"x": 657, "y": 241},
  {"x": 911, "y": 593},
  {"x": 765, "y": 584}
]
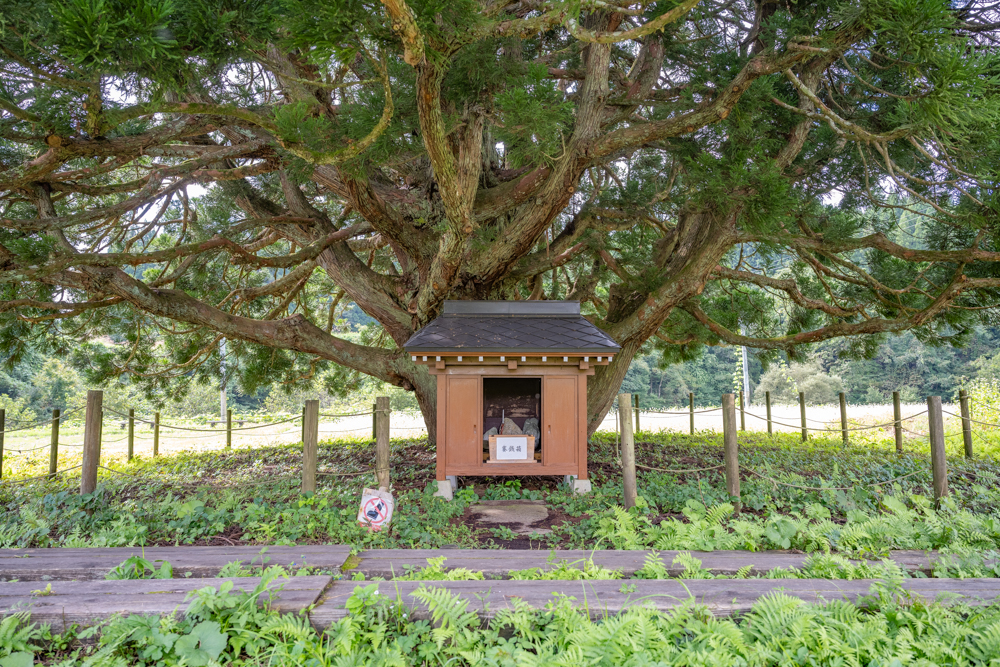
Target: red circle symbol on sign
[{"x": 375, "y": 511}]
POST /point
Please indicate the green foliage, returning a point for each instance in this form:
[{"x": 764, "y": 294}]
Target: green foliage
[
  {"x": 136, "y": 567},
  {"x": 219, "y": 626},
  {"x": 565, "y": 570},
  {"x": 379, "y": 631},
  {"x": 536, "y": 120},
  {"x": 984, "y": 401},
  {"x": 913, "y": 525},
  {"x": 90, "y": 31},
  {"x": 786, "y": 383},
  {"x": 18, "y": 641},
  {"x": 17, "y": 413},
  {"x": 435, "y": 571}
]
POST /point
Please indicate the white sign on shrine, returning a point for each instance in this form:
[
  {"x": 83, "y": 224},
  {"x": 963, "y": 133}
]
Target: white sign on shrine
[{"x": 513, "y": 448}]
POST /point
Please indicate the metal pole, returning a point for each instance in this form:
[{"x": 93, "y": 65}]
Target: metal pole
[
  {"x": 156, "y": 434},
  {"x": 802, "y": 412},
  {"x": 843, "y": 416},
  {"x": 939, "y": 462},
  {"x": 897, "y": 417},
  {"x": 54, "y": 446},
  {"x": 628, "y": 453},
  {"x": 731, "y": 449},
  {"x": 767, "y": 403},
  {"x": 691, "y": 402},
  {"x": 635, "y": 397},
  {"x": 309, "y": 446},
  {"x": 131, "y": 433},
  {"x": 382, "y": 442},
  {"x": 91, "y": 441},
  {"x": 746, "y": 369},
  {"x": 963, "y": 400},
  {"x": 229, "y": 428},
  {"x": 743, "y": 419},
  {"x": 223, "y": 402}
]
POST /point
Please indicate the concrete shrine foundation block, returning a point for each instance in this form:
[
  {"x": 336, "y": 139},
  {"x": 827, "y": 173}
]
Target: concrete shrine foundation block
[
  {"x": 444, "y": 490},
  {"x": 578, "y": 485}
]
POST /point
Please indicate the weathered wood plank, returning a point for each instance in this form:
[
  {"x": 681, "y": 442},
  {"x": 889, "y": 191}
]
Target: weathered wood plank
[
  {"x": 88, "y": 564},
  {"x": 60, "y": 564},
  {"x": 498, "y": 563},
  {"x": 90, "y": 602},
  {"x": 724, "y": 597}
]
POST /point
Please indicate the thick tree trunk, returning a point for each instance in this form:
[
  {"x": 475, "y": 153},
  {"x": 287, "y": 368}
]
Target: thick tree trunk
[
  {"x": 604, "y": 385},
  {"x": 425, "y": 388}
]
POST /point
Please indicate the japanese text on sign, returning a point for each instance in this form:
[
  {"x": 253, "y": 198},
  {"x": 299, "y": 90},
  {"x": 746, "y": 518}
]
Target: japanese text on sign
[{"x": 512, "y": 448}]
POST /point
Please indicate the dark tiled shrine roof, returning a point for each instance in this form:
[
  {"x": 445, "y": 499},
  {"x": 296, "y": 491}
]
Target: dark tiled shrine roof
[{"x": 502, "y": 326}]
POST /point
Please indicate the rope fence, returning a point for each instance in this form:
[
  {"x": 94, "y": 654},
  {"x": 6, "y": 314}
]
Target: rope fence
[
  {"x": 733, "y": 419},
  {"x": 680, "y": 413},
  {"x": 834, "y": 429},
  {"x": 970, "y": 419},
  {"x": 381, "y": 429},
  {"x": 204, "y": 430},
  {"x": 96, "y": 420},
  {"x": 41, "y": 422}
]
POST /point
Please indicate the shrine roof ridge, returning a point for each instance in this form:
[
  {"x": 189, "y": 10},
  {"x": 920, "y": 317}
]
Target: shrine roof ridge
[
  {"x": 513, "y": 308},
  {"x": 516, "y": 326}
]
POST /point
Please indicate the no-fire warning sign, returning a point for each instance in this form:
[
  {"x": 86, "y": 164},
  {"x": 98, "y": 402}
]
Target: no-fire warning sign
[{"x": 376, "y": 509}]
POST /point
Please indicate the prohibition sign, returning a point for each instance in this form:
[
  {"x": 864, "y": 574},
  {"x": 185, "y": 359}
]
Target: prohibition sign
[{"x": 374, "y": 511}]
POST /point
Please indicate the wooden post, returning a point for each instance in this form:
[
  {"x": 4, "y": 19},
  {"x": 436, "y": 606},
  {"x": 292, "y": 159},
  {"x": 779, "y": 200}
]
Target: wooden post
[
  {"x": 767, "y": 403},
  {"x": 802, "y": 413},
  {"x": 91, "y": 441},
  {"x": 939, "y": 463},
  {"x": 743, "y": 419},
  {"x": 309, "y": 446},
  {"x": 843, "y": 416},
  {"x": 156, "y": 434},
  {"x": 635, "y": 398},
  {"x": 229, "y": 428},
  {"x": 897, "y": 417},
  {"x": 628, "y": 453},
  {"x": 131, "y": 433},
  {"x": 54, "y": 444},
  {"x": 963, "y": 400},
  {"x": 731, "y": 448},
  {"x": 382, "y": 442},
  {"x": 3, "y": 425},
  {"x": 691, "y": 402}
]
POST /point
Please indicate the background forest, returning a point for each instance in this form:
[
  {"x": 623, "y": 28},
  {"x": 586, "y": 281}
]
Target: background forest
[{"x": 54, "y": 379}]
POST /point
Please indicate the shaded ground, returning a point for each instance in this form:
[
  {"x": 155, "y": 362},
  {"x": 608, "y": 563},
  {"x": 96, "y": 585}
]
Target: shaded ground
[{"x": 243, "y": 496}]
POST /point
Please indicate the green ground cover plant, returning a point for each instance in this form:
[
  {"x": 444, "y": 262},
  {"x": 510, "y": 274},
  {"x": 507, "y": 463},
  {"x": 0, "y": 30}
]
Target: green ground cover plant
[
  {"x": 817, "y": 566},
  {"x": 816, "y": 496},
  {"x": 221, "y": 626}
]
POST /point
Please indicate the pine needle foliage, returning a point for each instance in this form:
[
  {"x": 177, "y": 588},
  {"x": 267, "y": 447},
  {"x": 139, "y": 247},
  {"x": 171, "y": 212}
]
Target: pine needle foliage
[{"x": 694, "y": 174}]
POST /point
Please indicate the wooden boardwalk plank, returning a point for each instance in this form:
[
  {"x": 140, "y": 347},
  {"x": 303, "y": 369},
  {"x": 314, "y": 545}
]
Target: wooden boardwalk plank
[
  {"x": 86, "y": 564},
  {"x": 498, "y": 563},
  {"x": 89, "y": 602},
  {"x": 60, "y": 564},
  {"x": 724, "y": 597}
]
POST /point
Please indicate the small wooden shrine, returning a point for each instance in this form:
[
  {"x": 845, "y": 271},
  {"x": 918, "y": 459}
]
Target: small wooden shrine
[{"x": 512, "y": 387}]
